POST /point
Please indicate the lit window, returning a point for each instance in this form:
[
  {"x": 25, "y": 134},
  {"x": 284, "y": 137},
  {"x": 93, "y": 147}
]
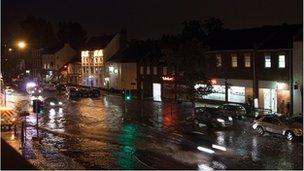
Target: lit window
[
  {"x": 247, "y": 61},
  {"x": 267, "y": 61},
  {"x": 218, "y": 60},
  {"x": 111, "y": 69},
  {"x": 85, "y": 53},
  {"x": 165, "y": 71},
  {"x": 141, "y": 70},
  {"x": 98, "y": 53},
  {"x": 281, "y": 61},
  {"x": 148, "y": 70},
  {"x": 155, "y": 70},
  {"x": 234, "y": 60}
]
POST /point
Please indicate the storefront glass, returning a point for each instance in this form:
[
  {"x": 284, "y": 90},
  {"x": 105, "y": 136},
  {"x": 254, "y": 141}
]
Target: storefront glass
[
  {"x": 218, "y": 93},
  {"x": 236, "y": 94}
]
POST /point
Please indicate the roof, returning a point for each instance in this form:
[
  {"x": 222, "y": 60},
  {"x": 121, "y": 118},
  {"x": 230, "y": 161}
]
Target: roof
[
  {"x": 53, "y": 49},
  {"x": 266, "y": 37},
  {"x": 126, "y": 55},
  {"x": 98, "y": 42},
  {"x": 137, "y": 52}
]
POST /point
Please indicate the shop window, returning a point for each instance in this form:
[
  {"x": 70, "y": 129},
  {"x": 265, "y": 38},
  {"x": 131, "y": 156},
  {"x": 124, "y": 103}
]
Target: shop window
[
  {"x": 234, "y": 60},
  {"x": 218, "y": 60},
  {"x": 267, "y": 61},
  {"x": 281, "y": 61},
  {"x": 236, "y": 94}
]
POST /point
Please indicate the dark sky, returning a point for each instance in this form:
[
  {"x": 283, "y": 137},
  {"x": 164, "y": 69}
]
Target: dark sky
[{"x": 150, "y": 18}]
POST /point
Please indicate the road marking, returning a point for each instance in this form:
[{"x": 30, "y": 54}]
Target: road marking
[{"x": 197, "y": 132}]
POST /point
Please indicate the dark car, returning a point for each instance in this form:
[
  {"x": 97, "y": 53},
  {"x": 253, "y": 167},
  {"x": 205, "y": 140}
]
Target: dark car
[
  {"x": 94, "y": 93},
  {"x": 235, "y": 110},
  {"x": 73, "y": 93},
  {"x": 212, "y": 117},
  {"x": 52, "y": 102}
]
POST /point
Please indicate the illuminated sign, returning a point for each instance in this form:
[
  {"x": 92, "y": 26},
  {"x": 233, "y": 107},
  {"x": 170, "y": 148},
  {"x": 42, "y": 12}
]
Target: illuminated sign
[
  {"x": 213, "y": 81},
  {"x": 167, "y": 78}
]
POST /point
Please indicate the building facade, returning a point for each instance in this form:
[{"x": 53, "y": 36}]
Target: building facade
[
  {"x": 55, "y": 60},
  {"x": 261, "y": 66},
  {"x": 92, "y": 62},
  {"x": 97, "y": 71}
]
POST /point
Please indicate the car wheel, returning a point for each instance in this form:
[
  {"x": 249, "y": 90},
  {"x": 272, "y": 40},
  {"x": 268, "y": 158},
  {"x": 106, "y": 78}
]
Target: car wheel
[
  {"x": 260, "y": 130},
  {"x": 289, "y": 135}
]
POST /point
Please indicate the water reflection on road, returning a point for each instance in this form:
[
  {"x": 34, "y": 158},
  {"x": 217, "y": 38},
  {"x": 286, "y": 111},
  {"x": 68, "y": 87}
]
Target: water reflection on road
[{"x": 98, "y": 135}]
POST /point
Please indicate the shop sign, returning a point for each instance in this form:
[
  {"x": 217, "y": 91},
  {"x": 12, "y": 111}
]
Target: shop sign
[{"x": 168, "y": 78}]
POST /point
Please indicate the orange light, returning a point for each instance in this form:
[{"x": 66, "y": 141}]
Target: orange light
[{"x": 168, "y": 78}]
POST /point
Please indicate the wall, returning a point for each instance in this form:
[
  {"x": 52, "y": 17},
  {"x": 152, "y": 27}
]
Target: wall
[
  {"x": 126, "y": 74},
  {"x": 129, "y": 75},
  {"x": 63, "y": 56},
  {"x": 117, "y": 43},
  {"x": 242, "y": 72},
  {"x": 297, "y": 70}
]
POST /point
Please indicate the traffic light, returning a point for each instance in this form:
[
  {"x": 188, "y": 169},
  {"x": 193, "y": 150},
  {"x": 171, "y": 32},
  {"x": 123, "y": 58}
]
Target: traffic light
[
  {"x": 37, "y": 106},
  {"x": 127, "y": 96}
]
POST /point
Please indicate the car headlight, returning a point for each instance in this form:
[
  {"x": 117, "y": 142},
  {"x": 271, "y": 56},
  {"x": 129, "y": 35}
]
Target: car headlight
[
  {"x": 220, "y": 120},
  {"x": 60, "y": 103},
  {"x": 230, "y": 118},
  {"x": 255, "y": 125},
  {"x": 52, "y": 103}
]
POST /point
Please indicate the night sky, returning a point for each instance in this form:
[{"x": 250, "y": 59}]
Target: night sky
[{"x": 150, "y": 18}]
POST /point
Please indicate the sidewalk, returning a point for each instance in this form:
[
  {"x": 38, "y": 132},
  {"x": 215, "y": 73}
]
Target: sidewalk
[{"x": 12, "y": 140}]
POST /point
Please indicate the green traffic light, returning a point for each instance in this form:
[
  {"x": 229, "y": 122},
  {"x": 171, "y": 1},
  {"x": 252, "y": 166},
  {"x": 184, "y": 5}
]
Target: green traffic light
[{"x": 128, "y": 97}]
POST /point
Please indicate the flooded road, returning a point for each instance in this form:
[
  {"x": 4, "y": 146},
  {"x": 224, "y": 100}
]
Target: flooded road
[{"x": 97, "y": 134}]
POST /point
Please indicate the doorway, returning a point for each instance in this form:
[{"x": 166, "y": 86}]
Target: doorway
[{"x": 156, "y": 91}]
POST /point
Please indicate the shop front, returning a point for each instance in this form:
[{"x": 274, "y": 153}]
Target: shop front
[
  {"x": 275, "y": 96},
  {"x": 168, "y": 87}
]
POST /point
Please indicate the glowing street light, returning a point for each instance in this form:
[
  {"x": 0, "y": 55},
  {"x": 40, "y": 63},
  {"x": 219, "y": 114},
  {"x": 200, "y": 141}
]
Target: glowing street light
[{"x": 21, "y": 45}]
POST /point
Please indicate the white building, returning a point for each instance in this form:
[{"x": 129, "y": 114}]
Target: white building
[
  {"x": 54, "y": 60},
  {"x": 96, "y": 72}
]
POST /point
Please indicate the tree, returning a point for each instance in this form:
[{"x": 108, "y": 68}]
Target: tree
[
  {"x": 37, "y": 32},
  {"x": 212, "y": 25},
  {"x": 188, "y": 60},
  {"x": 72, "y": 33},
  {"x": 192, "y": 29}
]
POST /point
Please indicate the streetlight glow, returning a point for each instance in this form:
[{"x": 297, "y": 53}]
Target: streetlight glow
[{"x": 21, "y": 44}]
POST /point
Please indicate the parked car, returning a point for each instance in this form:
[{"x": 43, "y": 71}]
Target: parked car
[
  {"x": 73, "y": 93},
  {"x": 212, "y": 117},
  {"x": 52, "y": 102},
  {"x": 235, "y": 110},
  {"x": 278, "y": 125},
  {"x": 94, "y": 93},
  {"x": 50, "y": 87}
]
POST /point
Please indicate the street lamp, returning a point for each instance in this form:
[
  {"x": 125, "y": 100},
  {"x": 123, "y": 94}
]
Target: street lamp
[{"x": 21, "y": 45}]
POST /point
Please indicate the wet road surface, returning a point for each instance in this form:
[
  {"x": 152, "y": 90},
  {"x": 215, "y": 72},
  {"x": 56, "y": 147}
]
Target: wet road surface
[{"x": 97, "y": 134}]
